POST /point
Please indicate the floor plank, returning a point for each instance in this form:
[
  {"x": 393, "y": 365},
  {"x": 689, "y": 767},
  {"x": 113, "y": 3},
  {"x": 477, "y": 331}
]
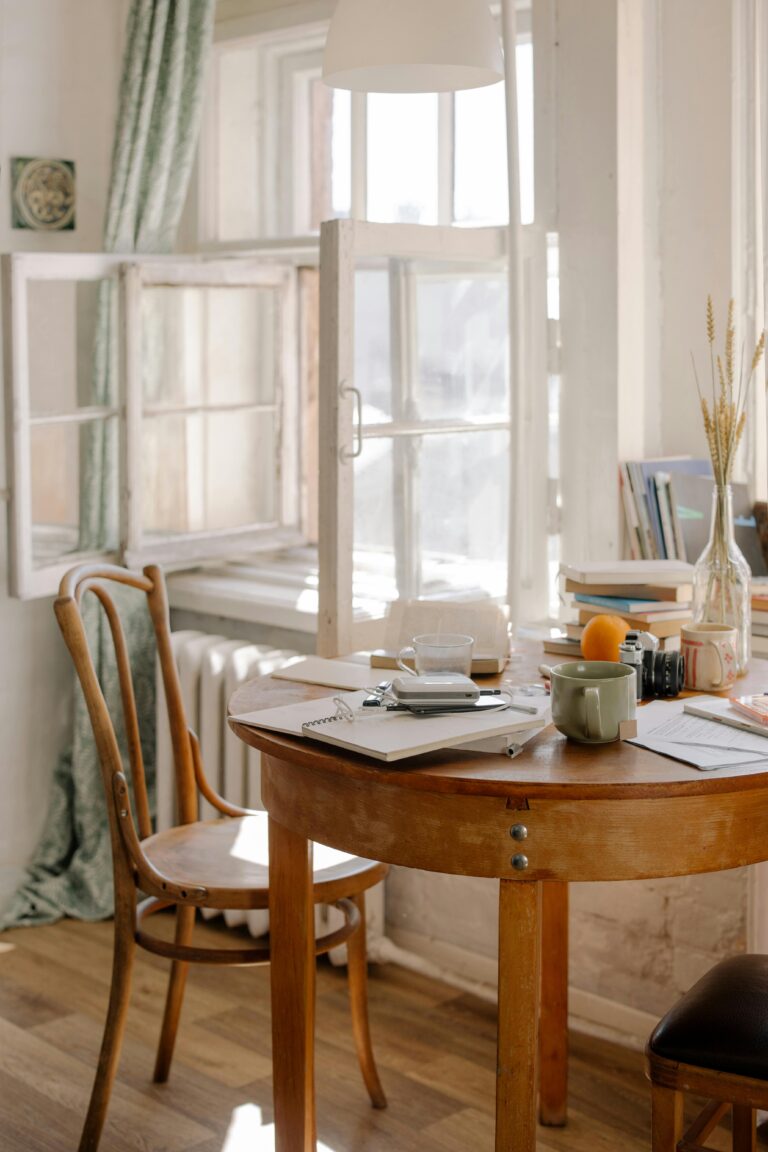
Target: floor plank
[{"x": 435, "y": 1048}]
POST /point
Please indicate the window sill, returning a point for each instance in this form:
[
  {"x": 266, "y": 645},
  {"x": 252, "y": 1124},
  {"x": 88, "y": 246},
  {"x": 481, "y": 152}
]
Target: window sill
[{"x": 279, "y": 591}]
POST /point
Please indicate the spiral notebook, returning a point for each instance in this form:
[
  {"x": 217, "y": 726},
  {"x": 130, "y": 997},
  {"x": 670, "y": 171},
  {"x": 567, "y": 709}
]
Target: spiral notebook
[{"x": 391, "y": 735}]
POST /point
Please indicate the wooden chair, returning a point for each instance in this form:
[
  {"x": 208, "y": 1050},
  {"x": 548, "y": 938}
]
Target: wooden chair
[
  {"x": 713, "y": 1043},
  {"x": 194, "y": 865}
]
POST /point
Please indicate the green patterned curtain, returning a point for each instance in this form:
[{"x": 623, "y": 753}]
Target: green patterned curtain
[{"x": 158, "y": 120}]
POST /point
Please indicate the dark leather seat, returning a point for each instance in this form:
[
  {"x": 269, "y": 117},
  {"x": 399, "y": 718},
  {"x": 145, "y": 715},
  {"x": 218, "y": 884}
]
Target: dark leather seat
[{"x": 721, "y": 1023}]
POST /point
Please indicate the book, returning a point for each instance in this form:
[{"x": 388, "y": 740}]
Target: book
[
  {"x": 661, "y": 626},
  {"x": 759, "y": 629},
  {"x": 482, "y": 664},
  {"x": 755, "y": 708},
  {"x": 634, "y": 533},
  {"x": 621, "y": 604},
  {"x": 574, "y": 631},
  {"x": 676, "y": 592},
  {"x": 720, "y": 710},
  {"x": 632, "y": 572},
  {"x": 391, "y": 736},
  {"x": 760, "y": 645},
  {"x": 562, "y": 646},
  {"x": 692, "y": 496}
]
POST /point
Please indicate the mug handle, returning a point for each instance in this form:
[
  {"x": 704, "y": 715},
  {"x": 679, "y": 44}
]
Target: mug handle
[
  {"x": 594, "y": 722},
  {"x": 402, "y": 655},
  {"x": 723, "y": 673}
]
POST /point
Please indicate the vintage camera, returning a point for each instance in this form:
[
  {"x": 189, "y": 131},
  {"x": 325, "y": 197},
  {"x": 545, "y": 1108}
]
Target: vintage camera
[{"x": 659, "y": 674}]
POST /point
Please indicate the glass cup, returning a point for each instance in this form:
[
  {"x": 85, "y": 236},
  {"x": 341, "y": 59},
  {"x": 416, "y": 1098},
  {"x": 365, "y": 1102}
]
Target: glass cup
[{"x": 437, "y": 652}]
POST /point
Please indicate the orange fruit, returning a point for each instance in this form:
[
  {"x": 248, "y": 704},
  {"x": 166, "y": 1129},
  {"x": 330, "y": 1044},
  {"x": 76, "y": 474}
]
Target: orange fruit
[{"x": 601, "y": 637}]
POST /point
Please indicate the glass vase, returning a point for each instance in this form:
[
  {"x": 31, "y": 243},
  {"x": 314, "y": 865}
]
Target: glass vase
[{"x": 721, "y": 578}]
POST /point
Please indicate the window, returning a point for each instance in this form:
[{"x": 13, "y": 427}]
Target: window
[
  {"x": 195, "y": 410},
  {"x": 282, "y": 152}
]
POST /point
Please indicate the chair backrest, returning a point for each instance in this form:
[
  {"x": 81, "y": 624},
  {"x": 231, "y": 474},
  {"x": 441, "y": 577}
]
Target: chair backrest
[{"x": 96, "y": 579}]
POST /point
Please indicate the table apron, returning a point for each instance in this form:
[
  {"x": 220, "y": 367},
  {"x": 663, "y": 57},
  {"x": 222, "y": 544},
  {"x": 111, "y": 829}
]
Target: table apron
[{"x": 584, "y": 839}]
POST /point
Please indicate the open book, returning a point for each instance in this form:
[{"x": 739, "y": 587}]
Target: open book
[
  {"x": 392, "y": 735},
  {"x": 484, "y": 620}
]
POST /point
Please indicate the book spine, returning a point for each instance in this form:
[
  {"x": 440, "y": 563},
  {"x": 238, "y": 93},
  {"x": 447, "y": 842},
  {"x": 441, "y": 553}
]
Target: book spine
[
  {"x": 630, "y": 514},
  {"x": 641, "y": 503},
  {"x": 661, "y": 480}
]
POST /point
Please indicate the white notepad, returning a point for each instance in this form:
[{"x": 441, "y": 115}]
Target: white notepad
[{"x": 391, "y": 735}]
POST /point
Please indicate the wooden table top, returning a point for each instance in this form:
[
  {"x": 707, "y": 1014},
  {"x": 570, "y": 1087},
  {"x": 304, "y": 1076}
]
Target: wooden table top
[{"x": 550, "y": 766}]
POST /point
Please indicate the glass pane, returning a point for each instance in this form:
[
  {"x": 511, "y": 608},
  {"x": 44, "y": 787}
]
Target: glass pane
[
  {"x": 481, "y": 193},
  {"x": 373, "y": 359},
  {"x": 374, "y": 497},
  {"x": 463, "y": 499},
  {"x": 64, "y": 317},
  {"x": 209, "y": 472},
  {"x": 70, "y": 512},
  {"x": 480, "y": 150},
  {"x": 462, "y": 324},
  {"x": 236, "y": 169},
  {"x": 341, "y": 154},
  {"x": 209, "y": 345},
  {"x": 402, "y": 158}
]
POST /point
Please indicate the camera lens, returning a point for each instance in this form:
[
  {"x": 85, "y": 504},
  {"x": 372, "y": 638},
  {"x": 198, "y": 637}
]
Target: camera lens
[{"x": 663, "y": 673}]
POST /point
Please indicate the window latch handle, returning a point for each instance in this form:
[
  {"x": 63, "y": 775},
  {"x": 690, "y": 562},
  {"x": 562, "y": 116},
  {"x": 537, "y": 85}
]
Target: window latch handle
[{"x": 347, "y": 454}]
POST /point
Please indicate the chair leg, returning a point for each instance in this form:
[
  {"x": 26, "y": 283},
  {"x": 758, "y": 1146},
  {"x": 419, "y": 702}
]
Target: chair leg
[
  {"x": 185, "y": 923},
  {"x": 744, "y": 1129},
  {"x": 357, "y": 976},
  {"x": 114, "y": 1028},
  {"x": 666, "y": 1118}
]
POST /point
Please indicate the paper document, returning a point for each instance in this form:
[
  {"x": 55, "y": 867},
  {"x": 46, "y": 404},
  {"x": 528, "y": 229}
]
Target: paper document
[
  {"x": 665, "y": 728},
  {"x": 393, "y": 735},
  {"x": 329, "y": 673}
]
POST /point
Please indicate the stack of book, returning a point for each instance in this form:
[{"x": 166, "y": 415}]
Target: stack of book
[
  {"x": 760, "y": 620},
  {"x": 651, "y": 595}
]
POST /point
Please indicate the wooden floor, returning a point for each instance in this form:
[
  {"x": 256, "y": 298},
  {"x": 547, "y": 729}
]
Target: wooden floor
[{"x": 435, "y": 1047}]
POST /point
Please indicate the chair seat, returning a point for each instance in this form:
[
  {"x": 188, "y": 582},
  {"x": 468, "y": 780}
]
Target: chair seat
[
  {"x": 230, "y": 858},
  {"x": 721, "y": 1023}
]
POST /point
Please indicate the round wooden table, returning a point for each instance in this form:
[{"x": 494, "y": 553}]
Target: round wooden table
[{"x": 560, "y": 812}]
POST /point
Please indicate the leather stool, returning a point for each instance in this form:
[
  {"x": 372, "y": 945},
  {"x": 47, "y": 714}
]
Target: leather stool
[{"x": 714, "y": 1043}]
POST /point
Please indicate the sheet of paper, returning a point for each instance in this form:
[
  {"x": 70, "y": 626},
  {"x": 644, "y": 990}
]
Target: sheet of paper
[
  {"x": 330, "y": 673},
  {"x": 663, "y": 727}
]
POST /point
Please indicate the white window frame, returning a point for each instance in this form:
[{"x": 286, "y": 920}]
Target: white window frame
[
  {"x": 344, "y": 243},
  {"x": 28, "y": 581}
]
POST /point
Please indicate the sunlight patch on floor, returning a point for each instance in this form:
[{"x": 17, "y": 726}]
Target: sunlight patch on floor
[
  {"x": 247, "y": 1133},
  {"x": 7, "y": 948}
]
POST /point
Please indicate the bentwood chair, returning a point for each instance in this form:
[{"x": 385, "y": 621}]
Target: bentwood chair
[
  {"x": 220, "y": 864},
  {"x": 713, "y": 1043}
]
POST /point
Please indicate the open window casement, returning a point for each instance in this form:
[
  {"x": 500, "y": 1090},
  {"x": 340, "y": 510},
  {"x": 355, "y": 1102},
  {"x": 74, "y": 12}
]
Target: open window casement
[
  {"x": 416, "y": 432},
  {"x": 152, "y": 411}
]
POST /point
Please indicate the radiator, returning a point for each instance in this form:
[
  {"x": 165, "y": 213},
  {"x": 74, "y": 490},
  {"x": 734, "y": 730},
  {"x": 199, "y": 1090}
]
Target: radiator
[{"x": 210, "y": 669}]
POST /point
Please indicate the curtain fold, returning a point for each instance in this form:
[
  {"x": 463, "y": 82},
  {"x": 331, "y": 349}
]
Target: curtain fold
[{"x": 161, "y": 91}]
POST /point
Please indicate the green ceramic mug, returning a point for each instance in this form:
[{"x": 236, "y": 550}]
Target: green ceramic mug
[{"x": 592, "y": 698}]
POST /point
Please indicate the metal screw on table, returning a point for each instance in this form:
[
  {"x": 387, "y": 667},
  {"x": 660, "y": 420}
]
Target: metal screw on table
[
  {"x": 518, "y": 832},
  {"x": 520, "y": 862}
]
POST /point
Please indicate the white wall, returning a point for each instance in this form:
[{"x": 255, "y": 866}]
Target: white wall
[{"x": 59, "y": 76}]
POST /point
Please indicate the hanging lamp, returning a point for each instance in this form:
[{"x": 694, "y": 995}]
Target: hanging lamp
[{"x": 412, "y": 46}]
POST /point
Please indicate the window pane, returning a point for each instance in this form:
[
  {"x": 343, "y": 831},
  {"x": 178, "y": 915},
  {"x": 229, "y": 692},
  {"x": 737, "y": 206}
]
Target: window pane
[
  {"x": 373, "y": 497},
  {"x": 402, "y": 158},
  {"x": 61, "y": 328},
  {"x": 463, "y": 487},
  {"x": 462, "y": 326},
  {"x": 373, "y": 360},
  {"x": 481, "y": 193},
  {"x": 212, "y": 345},
  {"x": 208, "y": 472},
  {"x": 480, "y": 151},
  {"x": 236, "y": 161},
  {"x": 341, "y": 154},
  {"x": 62, "y": 457}
]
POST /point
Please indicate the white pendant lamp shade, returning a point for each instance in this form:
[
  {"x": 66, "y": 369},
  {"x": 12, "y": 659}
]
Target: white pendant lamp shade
[{"x": 412, "y": 46}]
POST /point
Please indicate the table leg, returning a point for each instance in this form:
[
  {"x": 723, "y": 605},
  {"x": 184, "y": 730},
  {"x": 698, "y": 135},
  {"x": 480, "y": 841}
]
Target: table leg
[
  {"x": 519, "y": 947},
  {"x": 292, "y": 976},
  {"x": 553, "y": 1021}
]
